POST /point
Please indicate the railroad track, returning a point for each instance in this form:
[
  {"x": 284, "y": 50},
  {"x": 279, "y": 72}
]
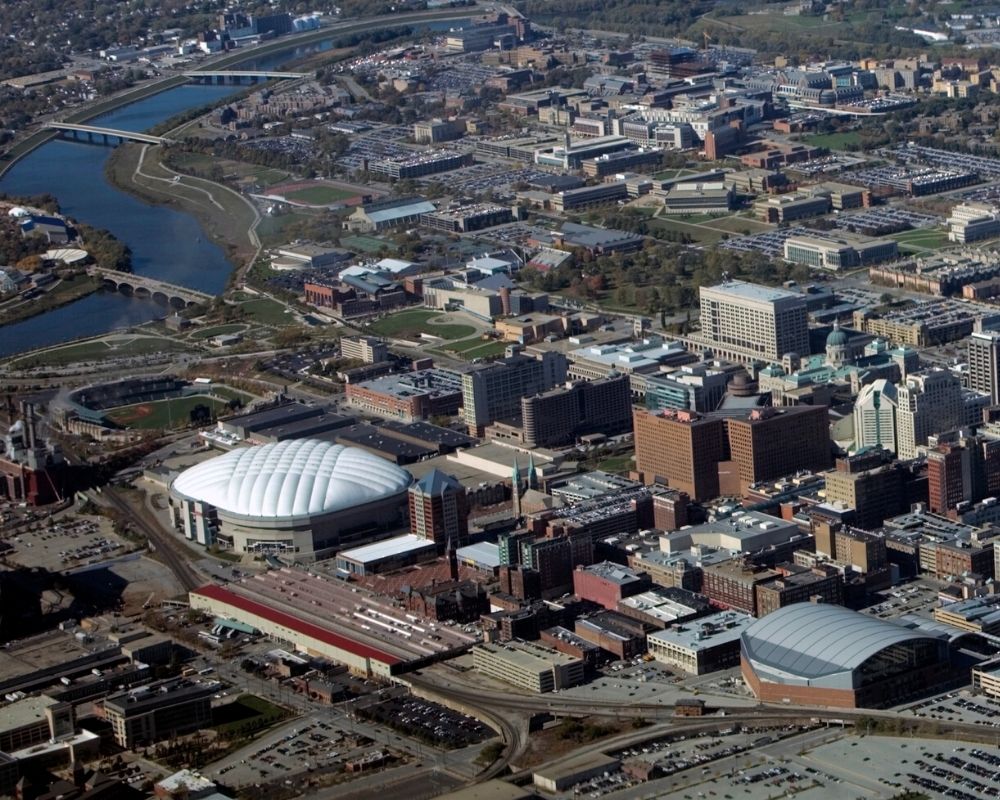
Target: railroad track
[{"x": 168, "y": 550}]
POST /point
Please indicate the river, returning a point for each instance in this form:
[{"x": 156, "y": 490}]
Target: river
[{"x": 166, "y": 244}]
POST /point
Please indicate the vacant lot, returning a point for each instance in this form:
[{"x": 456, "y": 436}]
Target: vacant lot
[
  {"x": 410, "y": 324},
  {"x": 246, "y": 714},
  {"x": 163, "y": 414}
]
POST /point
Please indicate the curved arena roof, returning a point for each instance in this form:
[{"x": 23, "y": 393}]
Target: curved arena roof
[
  {"x": 296, "y": 478},
  {"x": 806, "y": 642}
]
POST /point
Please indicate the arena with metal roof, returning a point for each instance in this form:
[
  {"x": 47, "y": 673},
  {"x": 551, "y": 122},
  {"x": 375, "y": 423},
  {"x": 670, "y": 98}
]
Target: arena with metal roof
[
  {"x": 303, "y": 498},
  {"x": 827, "y": 655}
]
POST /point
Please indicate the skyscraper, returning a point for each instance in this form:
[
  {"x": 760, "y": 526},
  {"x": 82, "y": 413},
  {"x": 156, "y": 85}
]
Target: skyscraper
[
  {"x": 875, "y": 416},
  {"x": 984, "y": 364},
  {"x": 744, "y": 321},
  {"x": 439, "y": 509},
  {"x": 929, "y": 402}
]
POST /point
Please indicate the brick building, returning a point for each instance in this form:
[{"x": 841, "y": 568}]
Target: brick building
[
  {"x": 608, "y": 583},
  {"x": 681, "y": 449}
]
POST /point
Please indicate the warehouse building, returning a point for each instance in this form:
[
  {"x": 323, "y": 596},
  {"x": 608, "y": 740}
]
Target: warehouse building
[{"x": 332, "y": 620}]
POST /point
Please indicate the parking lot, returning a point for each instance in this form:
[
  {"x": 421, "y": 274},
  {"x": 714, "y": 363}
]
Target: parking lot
[
  {"x": 913, "y": 598},
  {"x": 987, "y": 168},
  {"x": 770, "y": 243},
  {"x": 306, "y": 746},
  {"x": 66, "y": 542},
  {"x": 960, "y": 706},
  {"x": 487, "y": 177},
  {"x": 820, "y": 764},
  {"x": 429, "y": 722},
  {"x": 885, "y": 219}
]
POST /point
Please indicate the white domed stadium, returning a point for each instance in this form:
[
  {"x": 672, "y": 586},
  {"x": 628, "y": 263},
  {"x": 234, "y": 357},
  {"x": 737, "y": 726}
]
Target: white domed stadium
[{"x": 302, "y": 498}]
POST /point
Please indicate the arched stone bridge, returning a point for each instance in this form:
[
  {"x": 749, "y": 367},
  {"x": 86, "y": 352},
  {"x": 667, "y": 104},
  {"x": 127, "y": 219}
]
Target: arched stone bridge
[{"x": 167, "y": 294}]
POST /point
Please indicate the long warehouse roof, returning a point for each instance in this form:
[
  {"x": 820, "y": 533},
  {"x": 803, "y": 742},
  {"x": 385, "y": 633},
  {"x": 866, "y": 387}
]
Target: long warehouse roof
[{"x": 222, "y": 595}]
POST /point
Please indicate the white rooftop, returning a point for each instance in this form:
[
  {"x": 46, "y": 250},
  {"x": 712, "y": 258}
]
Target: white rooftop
[
  {"x": 293, "y": 478},
  {"x": 752, "y": 291},
  {"x": 485, "y": 554},
  {"x": 397, "y": 545},
  {"x": 705, "y": 632}
]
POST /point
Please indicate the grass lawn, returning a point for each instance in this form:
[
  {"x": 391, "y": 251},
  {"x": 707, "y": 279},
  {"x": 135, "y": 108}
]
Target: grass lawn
[
  {"x": 267, "y": 312},
  {"x": 779, "y": 22},
  {"x": 740, "y": 224},
  {"x": 320, "y": 195},
  {"x": 218, "y": 330},
  {"x": 271, "y": 230},
  {"x": 699, "y": 233},
  {"x": 922, "y": 239},
  {"x": 672, "y": 174},
  {"x": 246, "y": 711},
  {"x": 616, "y": 464},
  {"x": 834, "y": 141},
  {"x": 240, "y": 169},
  {"x": 486, "y": 350},
  {"x": 231, "y": 394},
  {"x": 465, "y": 344},
  {"x": 171, "y": 413},
  {"x": 410, "y": 324},
  {"x": 100, "y": 350}
]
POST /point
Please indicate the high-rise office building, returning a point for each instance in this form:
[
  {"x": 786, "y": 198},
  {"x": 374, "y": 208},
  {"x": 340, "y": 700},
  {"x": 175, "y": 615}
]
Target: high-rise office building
[
  {"x": 962, "y": 467},
  {"x": 875, "y": 416},
  {"x": 871, "y": 484},
  {"x": 494, "y": 391},
  {"x": 929, "y": 402},
  {"x": 774, "y": 442},
  {"x": 681, "y": 449},
  {"x": 984, "y": 364},
  {"x": 558, "y": 416},
  {"x": 949, "y": 477},
  {"x": 745, "y": 321},
  {"x": 439, "y": 509}
]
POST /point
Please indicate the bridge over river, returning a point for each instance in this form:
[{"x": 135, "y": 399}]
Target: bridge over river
[{"x": 167, "y": 294}]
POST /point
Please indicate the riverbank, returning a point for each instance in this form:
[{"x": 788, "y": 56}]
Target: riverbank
[
  {"x": 228, "y": 61},
  {"x": 67, "y": 291},
  {"x": 226, "y": 217}
]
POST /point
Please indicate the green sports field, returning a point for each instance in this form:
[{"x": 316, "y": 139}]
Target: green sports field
[
  {"x": 162, "y": 414},
  {"x": 319, "y": 195}
]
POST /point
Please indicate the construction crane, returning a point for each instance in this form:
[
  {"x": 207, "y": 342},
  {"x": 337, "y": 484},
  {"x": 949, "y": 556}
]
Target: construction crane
[{"x": 707, "y": 38}]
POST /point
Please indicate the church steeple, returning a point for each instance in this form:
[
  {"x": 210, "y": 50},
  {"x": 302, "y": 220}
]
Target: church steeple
[{"x": 515, "y": 482}]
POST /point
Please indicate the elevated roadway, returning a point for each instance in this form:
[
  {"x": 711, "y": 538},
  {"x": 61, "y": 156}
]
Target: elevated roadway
[
  {"x": 239, "y": 75},
  {"x": 107, "y": 134}
]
